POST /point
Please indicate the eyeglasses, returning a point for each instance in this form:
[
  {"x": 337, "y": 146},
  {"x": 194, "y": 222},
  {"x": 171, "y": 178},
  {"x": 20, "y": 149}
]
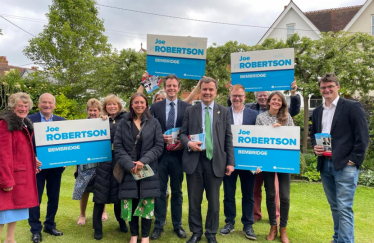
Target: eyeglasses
[
  {"x": 237, "y": 96},
  {"x": 327, "y": 87}
]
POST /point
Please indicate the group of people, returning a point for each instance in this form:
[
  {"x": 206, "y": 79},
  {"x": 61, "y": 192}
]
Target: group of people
[{"x": 138, "y": 139}]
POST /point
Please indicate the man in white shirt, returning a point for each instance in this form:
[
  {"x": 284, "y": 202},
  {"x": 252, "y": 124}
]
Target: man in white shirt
[{"x": 345, "y": 121}]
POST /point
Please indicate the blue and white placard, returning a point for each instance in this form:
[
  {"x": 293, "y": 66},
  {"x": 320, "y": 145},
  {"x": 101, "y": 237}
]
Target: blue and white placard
[
  {"x": 65, "y": 143},
  {"x": 263, "y": 70},
  {"x": 271, "y": 149},
  {"x": 182, "y": 56}
]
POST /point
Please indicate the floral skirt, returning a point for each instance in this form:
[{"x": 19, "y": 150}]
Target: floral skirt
[{"x": 144, "y": 208}]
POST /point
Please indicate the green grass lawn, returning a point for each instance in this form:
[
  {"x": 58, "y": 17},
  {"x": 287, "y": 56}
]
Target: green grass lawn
[{"x": 309, "y": 219}]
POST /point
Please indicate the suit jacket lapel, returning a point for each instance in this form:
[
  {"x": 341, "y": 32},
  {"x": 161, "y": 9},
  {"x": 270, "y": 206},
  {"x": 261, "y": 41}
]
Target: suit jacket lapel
[
  {"x": 338, "y": 110},
  {"x": 319, "y": 116},
  {"x": 198, "y": 114},
  {"x": 180, "y": 114},
  {"x": 216, "y": 117},
  {"x": 232, "y": 116},
  {"x": 163, "y": 113}
]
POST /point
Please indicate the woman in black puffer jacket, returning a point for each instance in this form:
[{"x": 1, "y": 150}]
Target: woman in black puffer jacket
[
  {"x": 106, "y": 187},
  {"x": 138, "y": 195}
]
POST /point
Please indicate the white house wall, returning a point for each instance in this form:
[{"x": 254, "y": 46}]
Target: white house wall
[
  {"x": 300, "y": 26},
  {"x": 363, "y": 22}
]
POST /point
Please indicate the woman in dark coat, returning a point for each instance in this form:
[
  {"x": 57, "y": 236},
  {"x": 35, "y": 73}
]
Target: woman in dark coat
[
  {"x": 138, "y": 195},
  {"x": 18, "y": 190},
  {"x": 106, "y": 187}
]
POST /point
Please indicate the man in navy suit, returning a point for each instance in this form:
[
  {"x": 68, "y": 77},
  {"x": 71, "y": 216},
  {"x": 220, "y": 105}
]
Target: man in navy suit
[
  {"x": 240, "y": 115},
  {"x": 46, "y": 104},
  {"x": 169, "y": 113},
  {"x": 345, "y": 121}
]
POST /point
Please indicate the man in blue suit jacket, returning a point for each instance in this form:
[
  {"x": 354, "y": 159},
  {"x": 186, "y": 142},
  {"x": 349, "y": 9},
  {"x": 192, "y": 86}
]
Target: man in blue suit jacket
[
  {"x": 46, "y": 104},
  {"x": 240, "y": 115},
  {"x": 345, "y": 121},
  {"x": 169, "y": 113}
]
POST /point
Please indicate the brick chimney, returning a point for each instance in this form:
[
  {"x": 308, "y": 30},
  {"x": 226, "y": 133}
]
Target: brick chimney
[
  {"x": 3, "y": 61},
  {"x": 34, "y": 68}
]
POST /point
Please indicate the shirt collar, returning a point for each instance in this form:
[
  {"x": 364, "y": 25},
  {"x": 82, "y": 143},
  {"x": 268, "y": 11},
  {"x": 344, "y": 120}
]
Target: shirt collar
[
  {"x": 43, "y": 117},
  {"x": 239, "y": 111},
  {"x": 334, "y": 103},
  {"x": 169, "y": 101},
  {"x": 203, "y": 105}
]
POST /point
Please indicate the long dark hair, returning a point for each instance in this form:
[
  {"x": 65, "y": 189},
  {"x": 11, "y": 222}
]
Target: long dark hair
[
  {"x": 282, "y": 115},
  {"x": 132, "y": 112}
]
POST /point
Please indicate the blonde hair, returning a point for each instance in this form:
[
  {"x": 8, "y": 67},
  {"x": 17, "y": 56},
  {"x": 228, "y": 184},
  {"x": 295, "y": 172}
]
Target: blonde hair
[
  {"x": 113, "y": 98},
  {"x": 236, "y": 87},
  {"x": 14, "y": 98},
  {"x": 93, "y": 103},
  {"x": 162, "y": 93}
]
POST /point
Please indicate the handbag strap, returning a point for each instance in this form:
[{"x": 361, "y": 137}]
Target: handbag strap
[{"x": 137, "y": 138}]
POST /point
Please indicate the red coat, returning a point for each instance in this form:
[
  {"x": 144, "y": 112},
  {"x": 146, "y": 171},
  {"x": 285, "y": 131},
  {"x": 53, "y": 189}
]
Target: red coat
[{"x": 17, "y": 164}]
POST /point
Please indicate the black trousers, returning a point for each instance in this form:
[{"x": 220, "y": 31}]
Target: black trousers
[
  {"x": 284, "y": 195},
  {"x": 170, "y": 164},
  {"x": 53, "y": 181},
  {"x": 134, "y": 223},
  {"x": 203, "y": 178},
  {"x": 247, "y": 182},
  {"x": 98, "y": 211}
]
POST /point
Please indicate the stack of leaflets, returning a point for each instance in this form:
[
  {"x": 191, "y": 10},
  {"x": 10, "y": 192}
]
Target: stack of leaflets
[
  {"x": 198, "y": 138},
  {"x": 144, "y": 173},
  {"x": 324, "y": 139},
  {"x": 151, "y": 83},
  {"x": 174, "y": 132}
]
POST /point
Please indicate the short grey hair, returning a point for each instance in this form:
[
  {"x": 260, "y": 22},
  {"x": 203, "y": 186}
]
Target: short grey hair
[
  {"x": 160, "y": 92},
  {"x": 261, "y": 91},
  {"x": 14, "y": 98}
]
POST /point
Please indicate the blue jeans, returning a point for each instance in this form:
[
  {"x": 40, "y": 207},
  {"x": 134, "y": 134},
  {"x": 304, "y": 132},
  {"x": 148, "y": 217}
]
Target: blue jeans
[{"x": 340, "y": 187}]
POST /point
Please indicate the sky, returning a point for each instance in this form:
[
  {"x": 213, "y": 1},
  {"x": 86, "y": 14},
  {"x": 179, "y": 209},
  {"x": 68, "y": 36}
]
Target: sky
[{"x": 128, "y": 29}]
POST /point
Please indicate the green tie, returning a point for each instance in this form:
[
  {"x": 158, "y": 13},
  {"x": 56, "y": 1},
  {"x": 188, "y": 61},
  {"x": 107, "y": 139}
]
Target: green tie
[{"x": 208, "y": 135}]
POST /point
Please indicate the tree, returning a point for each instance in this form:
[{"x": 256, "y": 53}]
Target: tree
[
  {"x": 10, "y": 83},
  {"x": 70, "y": 43},
  {"x": 118, "y": 73}
]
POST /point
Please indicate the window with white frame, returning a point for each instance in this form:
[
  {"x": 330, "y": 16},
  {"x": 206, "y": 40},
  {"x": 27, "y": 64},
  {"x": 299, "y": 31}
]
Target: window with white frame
[{"x": 290, "y": 30}]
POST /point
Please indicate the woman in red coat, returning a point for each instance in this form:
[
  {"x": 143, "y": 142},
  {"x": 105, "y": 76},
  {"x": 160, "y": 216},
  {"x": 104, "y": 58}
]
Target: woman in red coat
[{"x": 18, "y": 191}]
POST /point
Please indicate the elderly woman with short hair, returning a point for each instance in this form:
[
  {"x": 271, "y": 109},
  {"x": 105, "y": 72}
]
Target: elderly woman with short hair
[{"x": 18, "y": 191}]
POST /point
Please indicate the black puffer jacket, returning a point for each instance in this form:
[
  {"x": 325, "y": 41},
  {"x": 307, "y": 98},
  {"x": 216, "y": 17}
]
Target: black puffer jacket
[
  {"x": 106, "y": 187},
  {"x": 151, "y": 150}
]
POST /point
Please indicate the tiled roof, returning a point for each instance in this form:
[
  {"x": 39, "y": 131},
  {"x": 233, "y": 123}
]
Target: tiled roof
[{"x": 334, "y": 19}]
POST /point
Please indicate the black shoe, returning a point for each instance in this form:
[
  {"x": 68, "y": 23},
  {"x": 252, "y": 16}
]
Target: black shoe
[
  {"x": 249, "y": 233},
  {"x": 227, "y": 229},
  {"x": 194, "y": 238},
  {"x": 98, "y": 235},
  {"x": 156, "y": 233},
  {"x": 54, "y": 232},
  {"x": 180, "y": 232},
  {"x": 36, "y": 238},
  {"x": 123, "y": 227},
  {"x": 212, "y": 240}
]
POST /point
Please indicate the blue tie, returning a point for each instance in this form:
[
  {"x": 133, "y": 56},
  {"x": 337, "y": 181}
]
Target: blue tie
[{"x": 171, "y": 117}]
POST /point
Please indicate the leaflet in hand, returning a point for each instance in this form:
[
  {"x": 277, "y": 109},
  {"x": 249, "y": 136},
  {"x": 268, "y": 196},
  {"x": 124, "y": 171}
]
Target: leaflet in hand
[
  {"x": 198, "y": 138},
  {"x": 324, "y": 139},
  {"x": 174, "y": 132},
  {"x": 144, "y": 173},
  {"x": 152, "y": 83}
]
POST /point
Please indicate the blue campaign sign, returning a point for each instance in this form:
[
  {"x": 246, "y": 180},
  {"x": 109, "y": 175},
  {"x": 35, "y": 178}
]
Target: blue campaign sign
[
  {"x": 263, "y": 70},
  {"x": 65, "y": 143},
  {"x": 182, "y": 56},
  {"x": 270, "y": 149}
]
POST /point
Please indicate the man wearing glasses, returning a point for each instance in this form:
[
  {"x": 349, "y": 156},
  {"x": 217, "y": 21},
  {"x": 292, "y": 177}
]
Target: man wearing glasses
[
  {"x": 239, "y": 116},
  {"x": 345, "y": 121}
]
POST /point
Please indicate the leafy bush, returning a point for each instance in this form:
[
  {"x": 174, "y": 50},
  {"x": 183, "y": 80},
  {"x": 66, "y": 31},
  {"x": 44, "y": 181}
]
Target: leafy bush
[
  {"x": 311, "y": 172},
  {"x": 366, "y": 178}
]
